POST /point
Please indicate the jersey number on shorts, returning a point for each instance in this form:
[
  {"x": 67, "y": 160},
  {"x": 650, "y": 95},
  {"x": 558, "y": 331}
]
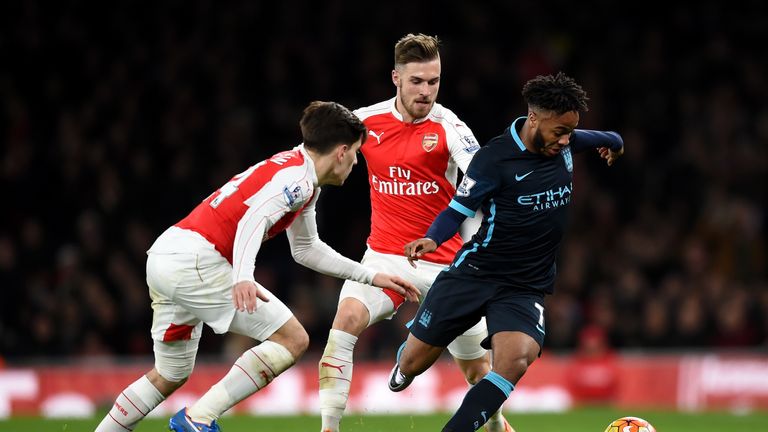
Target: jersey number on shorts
[
  {"x": 541, "y": 313},
  {"x": 540, "y": 326}
]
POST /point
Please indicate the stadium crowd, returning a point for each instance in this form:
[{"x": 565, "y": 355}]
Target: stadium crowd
[{"x": 116, "y": 119}]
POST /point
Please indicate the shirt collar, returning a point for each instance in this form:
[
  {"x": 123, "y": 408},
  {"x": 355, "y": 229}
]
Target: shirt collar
[
  {"x": 515, "y": 136},
  {"x": 309, "y": 162}
]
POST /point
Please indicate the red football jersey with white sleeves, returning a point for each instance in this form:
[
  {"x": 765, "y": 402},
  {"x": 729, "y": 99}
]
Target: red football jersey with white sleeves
[
  {"x": 254, "y": 206},
  {"x": 412, "y": 171}
]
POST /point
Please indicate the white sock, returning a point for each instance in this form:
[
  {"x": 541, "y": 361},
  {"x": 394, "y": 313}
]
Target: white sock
[
  {"x": 131, "y": 406},
  {"x": 335, "y": 377},
  {"x": 256, "y": 368}
]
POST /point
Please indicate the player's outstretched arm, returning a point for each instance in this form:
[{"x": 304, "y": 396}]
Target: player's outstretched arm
[
  {"x": 443, "y": 227},
  {"x": 609, "y": 144},
  {"x": 418, "y": 248},
  {"x": 585, "y": 139},
  {"x": 398, "y": 285}
]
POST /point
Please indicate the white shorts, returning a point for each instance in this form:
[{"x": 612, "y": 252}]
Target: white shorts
[
  {"x": 380, "y": 305},
  {"x": 190, "y": 283}
]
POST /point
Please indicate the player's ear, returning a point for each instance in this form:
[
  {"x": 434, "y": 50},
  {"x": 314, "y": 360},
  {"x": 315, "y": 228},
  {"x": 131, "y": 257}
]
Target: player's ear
[
  {"x": 340, "y": 151},
  {"x": 395, "y": 77}
]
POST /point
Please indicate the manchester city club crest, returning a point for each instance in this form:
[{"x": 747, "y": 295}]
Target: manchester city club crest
[
  {"x": 429, "y": 142},
  {"x": 567, "y": 158}
]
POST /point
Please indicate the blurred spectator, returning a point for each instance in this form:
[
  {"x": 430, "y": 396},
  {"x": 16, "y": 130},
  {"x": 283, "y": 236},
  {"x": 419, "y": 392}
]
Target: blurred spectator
[
  {"x": 110, "y": 130},
  {"x": 593, "y": 374},
  {"x": 690, "y": 329}
]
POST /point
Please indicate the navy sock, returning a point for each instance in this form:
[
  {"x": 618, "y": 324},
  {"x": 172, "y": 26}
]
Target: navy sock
[{"x": 481, "y": 401}]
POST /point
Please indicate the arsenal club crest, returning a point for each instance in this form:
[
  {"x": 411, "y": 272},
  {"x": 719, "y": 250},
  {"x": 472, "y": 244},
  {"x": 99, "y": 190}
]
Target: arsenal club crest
[{"x": 429, "y": 142}]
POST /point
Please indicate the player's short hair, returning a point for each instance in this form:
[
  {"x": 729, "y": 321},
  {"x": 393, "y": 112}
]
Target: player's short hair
[
  {"x": 416, "y": 48},
  {"x": 325, "y": 125},
  {"x": 558, "y": 93}
]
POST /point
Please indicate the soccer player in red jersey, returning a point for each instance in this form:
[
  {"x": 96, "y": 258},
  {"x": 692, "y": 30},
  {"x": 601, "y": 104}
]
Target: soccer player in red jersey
[
  {"x": 201, "y": 271},
  {"x": 414, "y": 150}
]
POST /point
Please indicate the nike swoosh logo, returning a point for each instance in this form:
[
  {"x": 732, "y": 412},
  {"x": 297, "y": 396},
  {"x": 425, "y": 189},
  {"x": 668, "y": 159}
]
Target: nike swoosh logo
[{"x": 520, "y": 177}]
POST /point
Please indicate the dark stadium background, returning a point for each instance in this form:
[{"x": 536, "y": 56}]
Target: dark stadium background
[{"x": 117, "y": 118}]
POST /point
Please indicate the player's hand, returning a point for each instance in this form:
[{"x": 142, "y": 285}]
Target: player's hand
[
  {"x": 244, "y": 295},
  {"x": 609, "y": 155},
  {"x": 417, "y": 248},
  {"x": 398, "y": 285}
]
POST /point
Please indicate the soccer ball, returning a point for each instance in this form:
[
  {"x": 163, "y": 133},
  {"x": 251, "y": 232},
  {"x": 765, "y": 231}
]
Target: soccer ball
[{"x": 630, "y": 424}]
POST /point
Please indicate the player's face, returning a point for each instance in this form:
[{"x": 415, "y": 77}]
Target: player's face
[
  {"x": 417, "y": 86},
  {"x": 552, "y": 132},
  {"x": 347, "y": 160}
]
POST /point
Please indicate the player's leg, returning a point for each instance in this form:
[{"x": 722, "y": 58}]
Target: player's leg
[
  {"x": 513, "y": 352},
  {"x": 335, "y": 366},
  {"x": 413, "y": 358},
  {"x": 516, "y": 325},
  {"x": 360, "y": 306},
  {"x": 176, "y": 334},
  {"x": 134, "y": 403},
  {"x": 284, "y": 342},
  {"x": 452, "y": 306},
  {"x": 473, "y": 360},
  {"x": 475, "y": 363}
]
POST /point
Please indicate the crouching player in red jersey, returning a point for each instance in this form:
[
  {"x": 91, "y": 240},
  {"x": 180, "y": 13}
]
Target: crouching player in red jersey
[{"x": 201, "y": 271}]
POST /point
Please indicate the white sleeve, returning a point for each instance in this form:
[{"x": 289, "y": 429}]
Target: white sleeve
[
  {"x": 288, "y": 190},
  {"x": 308, "y": 250},
  {"x": 461, "y": 143},
  {"x": 250, "y": 234}
]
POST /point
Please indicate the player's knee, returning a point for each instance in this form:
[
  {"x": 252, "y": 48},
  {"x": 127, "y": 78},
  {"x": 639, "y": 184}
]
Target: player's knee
[
  {"x": 302, "y": 343},
  {"x": 296, "y": 342},
  {"x": 512, "y": 369},
  {"x": 174, "y": 363},
  {"x": 174, "y": 372},
  {"x": 167, "y": 379},
  {"x": 352, "y": 317},
  {"x": 476, "y": 370},
  {"x": 292, "y": 337}
]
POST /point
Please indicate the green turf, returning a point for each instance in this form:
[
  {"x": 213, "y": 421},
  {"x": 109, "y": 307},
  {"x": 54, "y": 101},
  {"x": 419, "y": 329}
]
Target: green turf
[{"x": 583, "y": 420}]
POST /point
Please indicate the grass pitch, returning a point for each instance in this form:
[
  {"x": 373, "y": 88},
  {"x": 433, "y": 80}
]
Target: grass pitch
[{"x": 581, "y": 420}]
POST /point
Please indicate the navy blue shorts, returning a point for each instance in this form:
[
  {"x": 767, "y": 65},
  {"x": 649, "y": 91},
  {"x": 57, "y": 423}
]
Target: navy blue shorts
[{"x": 454, "y": 304}]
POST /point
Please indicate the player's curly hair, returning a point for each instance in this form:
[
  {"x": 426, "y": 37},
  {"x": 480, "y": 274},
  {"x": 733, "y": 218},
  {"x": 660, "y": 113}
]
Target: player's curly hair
[
  {"x": 325, "y": 125},
  {"x": 558, "y": 93}
]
